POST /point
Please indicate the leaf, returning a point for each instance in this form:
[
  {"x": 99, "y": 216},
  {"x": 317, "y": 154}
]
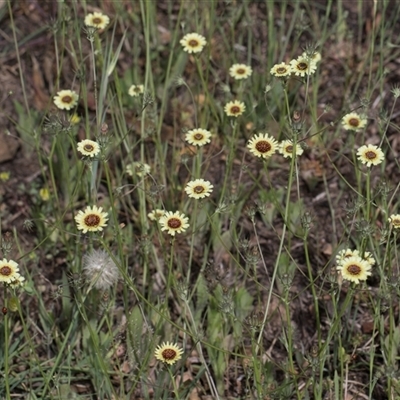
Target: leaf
[
  {"x": 392, "y": 342},
  {"x": 135, "y": 326}
]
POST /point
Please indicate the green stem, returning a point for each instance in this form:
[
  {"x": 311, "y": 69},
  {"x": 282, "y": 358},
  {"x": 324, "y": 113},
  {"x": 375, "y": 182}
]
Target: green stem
[
  {"x": 6, "y": 347},
  {"x": 176, "y": 391}
]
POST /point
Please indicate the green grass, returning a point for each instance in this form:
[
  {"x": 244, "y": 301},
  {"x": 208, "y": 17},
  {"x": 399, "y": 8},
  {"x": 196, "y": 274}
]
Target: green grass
[{"x": 250, "y": 291}]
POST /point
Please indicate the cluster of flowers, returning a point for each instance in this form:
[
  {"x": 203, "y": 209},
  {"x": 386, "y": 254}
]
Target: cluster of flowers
[
  {"x": 68, "y": 99},
  {"x": 353, "y": 265},
  {"x": 9, "y": 273},
  {"x": 356, "y": 267},
  {"x": 304, "y": 65},
  {"x": 176, "y": 222},
  {"x": 263, "y": 145},
  {"x": 367, "y": 154},
  {"x": 98, "y": 265}
]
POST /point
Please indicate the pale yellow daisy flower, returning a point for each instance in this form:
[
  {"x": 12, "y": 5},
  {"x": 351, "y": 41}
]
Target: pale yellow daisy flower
[
  {"x": 353, "y": 122},
  {"x": 93, "y": 219},
  {"x": 198, "y": 137},
  {"x": 9, "y": 271},
  {"x": 174, "y": 222},
  {"x": 394, "y": 219},
  {"x": 286, "y": 149},
  {"x": 281, "y": 70},
  {"x": 370, "y": 155},
  {"x": 262, "y": 145},
  {"x": 66, "y": 99},
  {"x": 136, "y": 90},
  {"x": 240, "y": 71},
  {"x": 97, "y": 20},
  {"x": 234, "y": 108},
  {"x": 138, "y": 168},
  {"x": 354, "y": 269},
  {"x": 88, "y": 148},
  {"x": 156, "y": 214},
  {"x": 198, "y": 189},
  {"x": 193, "y": 42},
  {"x": 302, "y": 66},
  {"x": 168, "y": 353}
]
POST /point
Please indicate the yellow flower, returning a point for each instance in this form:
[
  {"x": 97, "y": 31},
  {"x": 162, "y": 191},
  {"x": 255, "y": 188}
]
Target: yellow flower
[
  {"x": 262, "y": 145},
  {"x": 394, "y": 219},
  {"x": 240, "y": 71},
  {"x": 44, "y": 194},
  {"x": 5, "y": 176},
  {"x": 74, "y": 119},
  {"x": 9, "y": 271},
  {"x": 193, "y": 42},
  {"x": 198, "y": 137},
  {"x": 354, "y": 269},
  {"x": 353, "y": 122},
  {"x": 66, "y": 99},
  {"x": 93, "y": 219},
  {"x": 234, "y": 108},
  {"x": 302, "y": 66},
  {"x": 286, "y": 149},
  {"x": 174, "y": 222},
  {"x": 156, "y": 214},
  {"x": 138, "y": 168},
  {"x": 198, "y": 189},
  {"x": 136, "y": 90},
  {"x": 168, "y": 353},
  {"x": 280, "y": 70},
  {"x": 88, "y": 148},
  {"x": 370, "y": 155},
  {"x": 97, "y": 20}
]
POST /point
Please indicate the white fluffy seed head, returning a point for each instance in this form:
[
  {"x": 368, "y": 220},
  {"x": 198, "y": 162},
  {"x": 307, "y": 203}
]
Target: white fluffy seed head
[{"x": 100, "y": 270}]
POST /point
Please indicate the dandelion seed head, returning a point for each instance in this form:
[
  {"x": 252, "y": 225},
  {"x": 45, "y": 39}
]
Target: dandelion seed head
[{"x": 100, "y": 270}]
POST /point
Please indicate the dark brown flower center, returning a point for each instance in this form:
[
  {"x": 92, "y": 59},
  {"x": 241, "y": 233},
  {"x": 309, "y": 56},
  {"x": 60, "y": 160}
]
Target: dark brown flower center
[
  {"x": 5, "y": 271},
  {"x": 97, "y": 21},
  {"x": 66, "y": 99},
  {"x": 396, "y": 222},
  {"x": 302, "y": 66},
  {"x": 263, "y": 146},
  {"x": 354, "y": 122},
  {"x": 370, "y": 155},
  {"x": 198, "y": 136},
  {"x": 289, "y": 148},
  {"x": 169, "y": 354},
  {"x": 174, "y": 223},
  {"x": 235, "y": 109},
  {"x": 281, "y": 70},
  {"x": 240, "y": 71},
  {"x": 92, "y": 220},
  {"x": 88, "y": 147},
  {"x": 198, "y": 189},
  {"x": 354, "y": 269},
  {"x": 193, "y": 43}
]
